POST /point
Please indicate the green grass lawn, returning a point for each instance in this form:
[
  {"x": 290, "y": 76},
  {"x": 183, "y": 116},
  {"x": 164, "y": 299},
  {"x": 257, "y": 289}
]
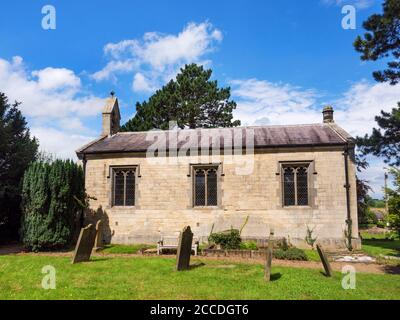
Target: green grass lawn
[
  {"x": 155, "y": 278},
  {"x": 376, "y": 245},
  {"x": 125, "y": 249}
]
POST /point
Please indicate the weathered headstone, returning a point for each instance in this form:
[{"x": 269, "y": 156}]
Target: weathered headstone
[
  {"x": 325, "y": 261},
  {"x": 268, "y": 258},
  {"x": 184, "y": 249},
  {"x": 98, "y": 243},
  {"x": 84, "y": 245},
  {"x": 268, "y": 264}
]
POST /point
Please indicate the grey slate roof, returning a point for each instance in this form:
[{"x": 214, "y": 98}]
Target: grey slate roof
[{"x": 324, "y": 134}]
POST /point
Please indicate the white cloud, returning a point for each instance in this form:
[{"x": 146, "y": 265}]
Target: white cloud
[
  {"x": 60, "y": 143},
  {"x": 43, "y": 99},
  {"x": 141, "y": 83},
  {"x": 357, "y": 109},
  {"x": 359, "y": 4},
  {"x": 262, "y": 102},
  {"x": 52, "y": 79},
  {"x": 113, "y": 67},
  {"x": 157, "y": 57},
  {"x": 54, "y": 102}
]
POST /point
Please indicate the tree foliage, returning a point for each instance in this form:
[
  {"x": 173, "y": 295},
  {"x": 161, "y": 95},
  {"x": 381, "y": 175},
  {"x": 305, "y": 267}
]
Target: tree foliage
[
  {"x": 384, "y": 144},
  {"x": 382, "y": 40},
  {"x": 394, "y": 201},
  {"x": 17, "y": 151},
  {"x": 49, "y": 203},
  {"x": 192, "y": 100},
  {"x": 362, "y": 201}
]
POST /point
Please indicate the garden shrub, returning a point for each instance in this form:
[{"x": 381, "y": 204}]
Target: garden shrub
[
  {"x": 381, "y": 224},
  {"x": 229, "y": 239},
  {"x": 248, "y": 245},
  {"x": 49, "y": 207},
  {"x": 290, "y": 254}
]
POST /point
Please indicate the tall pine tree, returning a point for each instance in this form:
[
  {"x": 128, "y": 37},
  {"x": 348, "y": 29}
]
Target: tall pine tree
[
  {"x": 384, "y": 141},
  {"x": 192, "y": 100},
  {"x": 382, "y": 40},
  {"x": 17, "y": 151}
]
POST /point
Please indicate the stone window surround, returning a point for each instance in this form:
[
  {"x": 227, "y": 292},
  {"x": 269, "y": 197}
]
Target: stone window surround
[
  {"x": 110, "y": 177},
  {"x": 220, "y": 172},
  {"x": 311, "y": 173},
  {"x": 192, "y": 176}
]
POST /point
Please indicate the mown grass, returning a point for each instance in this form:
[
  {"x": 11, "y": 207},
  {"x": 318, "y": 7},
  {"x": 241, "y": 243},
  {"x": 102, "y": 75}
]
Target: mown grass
[
  {"x": 155, "y": 278},
  {"x": 312, "y": 255},
  {"x": 125, "y": 249},
  {"x": 377, "y": 245}
]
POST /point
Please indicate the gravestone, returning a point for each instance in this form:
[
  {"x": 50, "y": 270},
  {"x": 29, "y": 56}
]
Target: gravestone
[
  {"x": 325, "y": 262},
  {"x": 98, "y": 243},
  {"x": 268, "y": 258},
  {"x": 84, "y": 245},
  {"x": 184, "y": 249}
]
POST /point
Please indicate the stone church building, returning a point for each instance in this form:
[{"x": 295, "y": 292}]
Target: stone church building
[{"x": 146, "y": 185}]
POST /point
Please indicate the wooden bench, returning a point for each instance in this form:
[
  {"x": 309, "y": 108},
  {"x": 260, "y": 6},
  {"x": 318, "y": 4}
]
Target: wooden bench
[{"x": 172, "y": 243}]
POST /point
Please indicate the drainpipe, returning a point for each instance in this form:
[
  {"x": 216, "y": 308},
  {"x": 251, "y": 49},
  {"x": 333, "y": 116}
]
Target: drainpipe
[
  {"x": 84, "y": 168},
  {"x": 349, "y": 222},
  {"x": 82, "y": 218}
]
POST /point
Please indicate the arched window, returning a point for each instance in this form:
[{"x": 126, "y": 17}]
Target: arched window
[
  {"x": 124, "y": 187},
  {"x": 288, "y": 187},
  {"x": 302, "y": 186},
  {"x": 295, "y": 185},
  {"x": 205, "y": 187},
  {"x": 200, "y": 187}
]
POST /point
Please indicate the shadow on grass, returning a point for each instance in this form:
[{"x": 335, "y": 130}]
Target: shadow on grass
[
  {"x": 389, "y": 269},
  {"x": 97, "y": 259},
  {"x": 276, "y": 276},
  {"x": 325, "y": 274},
  {"x": 196, "y": 265},
  {"x": 384, "y": 244}
]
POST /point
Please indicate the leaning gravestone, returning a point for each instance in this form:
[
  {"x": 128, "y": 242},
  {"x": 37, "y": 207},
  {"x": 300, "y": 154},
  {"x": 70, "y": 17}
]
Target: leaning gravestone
[
  {"x": 184, "y": 249},
  {"x": 268, "y": 258},
  {"x": 325, "y": 262},
  {"x": 85, "y": 244},
  {"x": 98, "y": 243}
]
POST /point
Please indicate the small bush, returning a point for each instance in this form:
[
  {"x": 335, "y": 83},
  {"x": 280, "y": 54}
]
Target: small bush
[
  {"x": 227, "y": 239},
  {"x": 249, "y": 245},
  {"x": 290, "y": 254},
  {"x": 381, "y": 224},
  {"x": 284, "y": 244}
]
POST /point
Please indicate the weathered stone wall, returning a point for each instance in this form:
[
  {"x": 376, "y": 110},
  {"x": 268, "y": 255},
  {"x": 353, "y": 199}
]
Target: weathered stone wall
[{"x": 164, "y": 197}]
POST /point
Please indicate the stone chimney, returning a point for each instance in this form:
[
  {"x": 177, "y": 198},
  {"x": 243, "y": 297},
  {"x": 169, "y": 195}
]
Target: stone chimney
[
  {"x": 328, "y": 114},
  {"x": 111, "y": 116}
]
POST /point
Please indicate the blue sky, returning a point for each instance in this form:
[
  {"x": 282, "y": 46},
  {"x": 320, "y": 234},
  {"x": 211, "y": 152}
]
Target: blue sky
[{"x": 283, "y": 59}]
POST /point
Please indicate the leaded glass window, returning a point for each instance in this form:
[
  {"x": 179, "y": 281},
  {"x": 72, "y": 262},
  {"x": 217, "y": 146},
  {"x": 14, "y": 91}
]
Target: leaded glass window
[
  {"x": 295, "y": 185},
  {"x": 206, "y": 187},
  {"x": 289, "y": 193},
  {"x": 124, "y": 186}
]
